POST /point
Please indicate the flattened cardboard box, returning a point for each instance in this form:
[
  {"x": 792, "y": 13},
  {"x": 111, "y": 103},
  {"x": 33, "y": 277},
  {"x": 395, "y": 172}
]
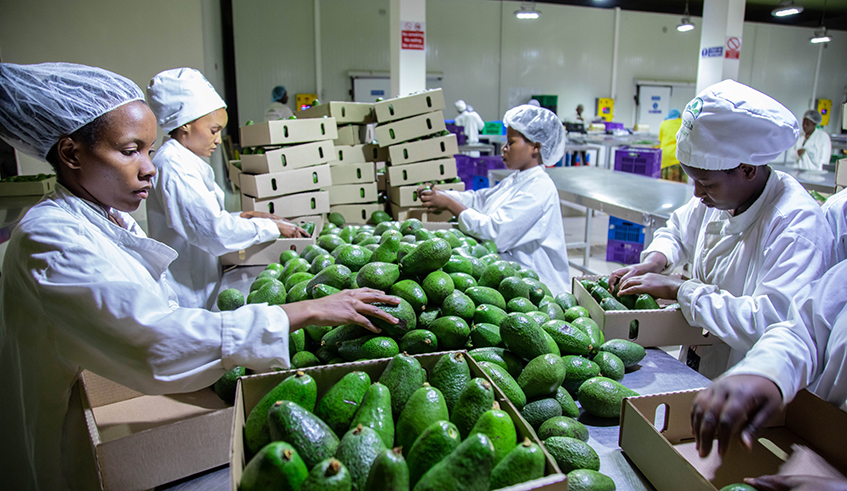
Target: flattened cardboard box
[
  {"x": 352, "y": 194},
  {"x": 348, "y": 135},
  {"x": 409, "y": 129},
  {"x": 141, "y": 442},
  {"x": 352, "y": 173},
  {"x": 252, "y": 388},
  {"x": 408, "y": 106},
  {"x": 401, "y": 214},
  {"x": 432, "y": 148},
  {"x": 343, "y": 112},
  {"x": 806, "y": 438},
  {"x": 288, "y": 158},
  {"x": 347, "y": 154},
  {"x": 28, "y": 188},
  {"x": 432, "y": 170},
  {"x": 267, "y": 253},
  {"x": 645, "y": 327},
  {"x": 288, "y": 131},
  {"x": 408, "y": 195},
  {"x": 289, "y": 182},
  {"x": 293, "y": 205},
  {"x": 358, "y": 213}
]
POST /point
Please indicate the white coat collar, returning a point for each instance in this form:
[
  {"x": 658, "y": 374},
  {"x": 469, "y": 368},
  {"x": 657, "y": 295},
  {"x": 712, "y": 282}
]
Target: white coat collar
[
  {"x": 740, "y": 223},
  {"x": 521, "y": 176}
]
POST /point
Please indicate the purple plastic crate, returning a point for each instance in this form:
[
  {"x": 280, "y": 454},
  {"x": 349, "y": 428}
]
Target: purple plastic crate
[
  {"x": 623, "y": 252},
  {"x": 488, "y": 162},
  {"x": 614, "y": 126},
  {"x": 623, "y": 231},
  {"x": 639, "y": 160},
  {"x": 459, "y": 131}
]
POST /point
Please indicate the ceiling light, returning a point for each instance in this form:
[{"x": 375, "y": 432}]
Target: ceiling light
[
  {"x": 686, "y": 24},
  {"x": 786, "y": 8},
  {"x": 527, "y": 12},
  {"x": 820, "y": 36}
]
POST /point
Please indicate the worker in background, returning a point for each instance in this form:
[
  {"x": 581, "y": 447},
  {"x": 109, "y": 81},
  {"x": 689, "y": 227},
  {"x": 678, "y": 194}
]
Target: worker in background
[
  {"x": 753, "y": 235},
  {"x": 835, "y": 211},
  {"x": 671, "y": 170},
  {"x": 809, "y": 349},
  {"x": 83, "y": 288},
  {"x": 186, "y": 206},
  {"x": 521, "y": 214},
  {"x": 278, "y": 108},
  {"x": 578, "y": 118},
  {"x": 470, "y": 120},
  {"x": 814, "y": 148}
]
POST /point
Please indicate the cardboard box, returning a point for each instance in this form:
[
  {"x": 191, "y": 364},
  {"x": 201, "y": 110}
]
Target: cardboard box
[
  {"x": 289, "y": 182},
  {"x": 645, "y": 327},
  {"x": 357, "y": 213},
  {"x": 293, "y": 205},
  {"x": 401, "y": 213},
  {"x": 350, "y": 154},
  {"x": 252, "y": 388},
  {"x": 267, "y": 253},
  {"x": 432, "y": 148},
  {"x": 141, "y": 441},
  {"x": 28, "y": 188},
  {"x": 352, "y": 193},
  {"x": 348, "y": 135},
  {"x": 667, "y": 457},
  {"x": 841, "y": 172},
  {"x": 433, "y": 226},
  {"x": 288, "y": 131},
  {"x": 352, "y": 173},
  {"x": 343, "y": 112},
  {"x": 382, "y": 181},
  {"x": 367, "y": 132},
  {"x": 234, "y": 173},
  {"x": 408, "y": 106},
  {"x": 408, "y": 195},
  {"x": 288, "y": 158},
  {"x": 432, "y": 170},
  {"x": 409, "y": 129}
]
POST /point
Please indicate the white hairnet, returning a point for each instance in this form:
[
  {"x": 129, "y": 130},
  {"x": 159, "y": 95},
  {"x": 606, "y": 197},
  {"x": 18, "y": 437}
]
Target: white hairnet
[
  {"x": 181, "y": 95},
  {"x": 461, "y": 106},
  {"x": 813, "y": 116},
  {"x": 39, "y": 104},
  {"x": 534, "y": 102},
  {"x": 539, "y": 125}
]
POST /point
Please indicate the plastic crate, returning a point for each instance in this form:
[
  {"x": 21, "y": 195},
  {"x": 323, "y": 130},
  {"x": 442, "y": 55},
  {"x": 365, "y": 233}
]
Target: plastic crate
[
  {"x": 479, "y": 182},
  {"x": 623, "y": 231},
  {"x": 623, "y": 252},
  {"x": 459, "y": 131},
  {"x": 611, "y": 126},
  {"x": 494, "y": 128},
  {"x": 486, "y": 163},
  {"x": 639, "y": 160}
]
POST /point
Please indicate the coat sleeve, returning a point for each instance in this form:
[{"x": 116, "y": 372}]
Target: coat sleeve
[
  {"x": 678, "y": 239},
  {"x": 790, "y": 262},
  {"x": 513, "y": 224},
  {"x": 468, "y": 199},
  {"x": 819, "y": 149},
  {"x": 193, "y": 211}
]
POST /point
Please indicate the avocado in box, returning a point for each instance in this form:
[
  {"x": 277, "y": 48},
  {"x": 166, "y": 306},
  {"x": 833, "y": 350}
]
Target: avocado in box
[
  {"x": 422, "y": 126},
  {"x": 288, "y": 131},
  {"x": 432, "y": 170},
  {"x": 264, "y": 186},
  {"x": 406, "y": 196},
  {"x": 428, "y": 149},
  {"x": 268, "y": 252},
  {"x": 355, "y": 173},
  {"x": 357, "y": 213},
  {"x": 352, "y": 193},
  {"x": 293, "y": 205},
  {"x": 347, "y": 154},
  {"x": 36, "y": 185},
  {"x": 287, "y": 158},
  {"x": 344, "y": 113},
  {"x": 408, "y": 106}
]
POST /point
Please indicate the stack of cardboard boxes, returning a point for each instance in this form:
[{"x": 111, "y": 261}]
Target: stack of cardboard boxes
[
  {"x": 420, "y": 150},
  {"x": 353, "y": 192}
]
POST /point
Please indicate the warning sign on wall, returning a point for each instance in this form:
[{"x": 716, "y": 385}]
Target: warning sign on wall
[
  {"x": 413, "y": 35},
  {"x": 733, "y": 48}
]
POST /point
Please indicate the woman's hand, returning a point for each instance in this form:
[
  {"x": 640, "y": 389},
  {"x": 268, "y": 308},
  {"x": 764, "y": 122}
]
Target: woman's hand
[
  {"x": 345, "y": 307},
  {"x": 653, "y": 263},
  {"x": 657, "y": 285},
  {"x": 438, "y": 200},
  {"x": 286, "y": 228},
  {"x": 797, "y": 483}
]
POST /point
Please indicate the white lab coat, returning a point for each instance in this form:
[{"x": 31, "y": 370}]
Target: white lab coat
[
  {"x": 472, "y": 122},
  {"x": 185, "y": 210},
  {"x": 810, "y": 347},
  {"x": 818, "y": 150},
  {"x": 523, "y": 217},
  {"x": 79, "y": 292},
  {"x": 835, "y": 211},
  {"x": 277, "y": 110},
  {"x": 746, "y": 269}
]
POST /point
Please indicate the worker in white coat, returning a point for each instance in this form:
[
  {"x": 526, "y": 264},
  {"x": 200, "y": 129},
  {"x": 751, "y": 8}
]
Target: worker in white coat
[
  {"x": 521, "y": 214},
  {"x": 279, "y": 106},
  {"x": 809, "y": 349},
  {"x": 813, "y": 148},
  {"x": 835, "y": 211},
  {"x": 83, "y": 288},
  {"x": 753, "y": 236},
  {"x": 186, "y": 205},
  {"x": 470, "y": 120}
]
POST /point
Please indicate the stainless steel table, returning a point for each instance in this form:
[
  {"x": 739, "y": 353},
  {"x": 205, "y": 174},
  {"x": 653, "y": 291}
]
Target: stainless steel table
[
  {"x": 631, "y": 197},
  {"x": 611, "y": 142},
  {"x": 822, "y": 182}
]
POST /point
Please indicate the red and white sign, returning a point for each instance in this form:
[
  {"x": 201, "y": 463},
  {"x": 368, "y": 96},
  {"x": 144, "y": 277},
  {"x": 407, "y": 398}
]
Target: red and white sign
[
  {"x": 413, "y": 36},
  {"x": 733, "y": 48}
]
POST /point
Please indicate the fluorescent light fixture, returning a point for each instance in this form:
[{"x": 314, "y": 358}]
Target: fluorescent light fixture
[
  {"x": 820, "y": 36},
  {"x": 685, "y": 26},
  {"x": 786, "y": 8},
  {"x": 527, "y": 12}
]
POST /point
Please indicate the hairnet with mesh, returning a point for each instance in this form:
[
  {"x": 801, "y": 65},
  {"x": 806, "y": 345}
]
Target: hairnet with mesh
[
  {"x": 39, "y": 104},
  {"x": 539, "y": 125},
  {"x": 277, "y": 93},
  {"x": 813, "y": 116}
]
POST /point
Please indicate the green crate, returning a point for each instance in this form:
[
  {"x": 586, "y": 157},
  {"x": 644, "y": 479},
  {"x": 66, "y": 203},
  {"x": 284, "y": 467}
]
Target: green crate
[{"x": 494, "y": 128}]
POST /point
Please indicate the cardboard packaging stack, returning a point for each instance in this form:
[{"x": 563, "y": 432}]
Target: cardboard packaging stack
[
  {"x": 420, "y": 150},
  {"x": 354, "y": 189}
]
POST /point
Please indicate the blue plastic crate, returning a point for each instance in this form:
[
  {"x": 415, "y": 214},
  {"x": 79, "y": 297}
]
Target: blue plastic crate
[
  {"x": 623, "y": 252},
  {"x": 639, "y": 160},
  {"x": 624, "y": 231},
  {"x": 479, "y": 182}
]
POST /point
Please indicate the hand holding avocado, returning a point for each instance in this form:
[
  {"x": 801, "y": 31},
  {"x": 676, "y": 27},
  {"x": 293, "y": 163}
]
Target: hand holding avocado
[
  {"x": 657, "y": 285},
  {"x": 287, "y": 229},
  {"x": 344, "y": 307},
  {"x": 438, "y": 200},
  {"x": 654, "y": 263}
]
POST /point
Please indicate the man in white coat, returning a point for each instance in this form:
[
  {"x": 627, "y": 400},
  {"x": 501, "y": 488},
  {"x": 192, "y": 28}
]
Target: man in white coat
[
  {"x": 470, "y": 120},
  {"x": 185, "y": 209},
  {"x": 521, "y": 214},
  {"x": 813, "y": 148},
  {"x": 753, "y": 236},
  {"x": 278, "y": 108}
]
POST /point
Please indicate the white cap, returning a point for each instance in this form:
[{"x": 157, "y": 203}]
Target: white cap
[
  {"x": 180, "y": 96},
  {"x": 534, "y": 102},
  {"x": 539, "y": 125},
  {"x": 461, "y": 106},
  {"x": 730, "y": 124}
]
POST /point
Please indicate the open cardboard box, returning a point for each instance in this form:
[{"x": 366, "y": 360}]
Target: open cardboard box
[
  {"x": 289, "y": 182},
  {"x": 357, "y": 213},
  {"x": 342, "y": 112},
  {"x": 366, "y": 152},
  {"x": 352, "y": 173},
  {"x": 406, "y": 196},
  {"x": 431, "y": 148},
  {"x": 293, "y": 205},
  {"x": 234, "y": 173},
  {"x": 401, "y": 213},
  {"x": 252, "y": 388},
  {"x": 268, "y": 252},
  {"x": 352, "y": 193},
  {"x": 409, "y": 129},
  {"x": 806, "y": 438},
  {"x": 645, "y": 327},
  {"x": 288, "y": 131},
  {"x": 431, "y": 170},
  {"x": 410, "y": 105},
  {"x": 349, "y": 135},
  {"x": 28, "y": 188},
  {"x": 288, "y": 158},
  {"x": 144, "y": 441}
]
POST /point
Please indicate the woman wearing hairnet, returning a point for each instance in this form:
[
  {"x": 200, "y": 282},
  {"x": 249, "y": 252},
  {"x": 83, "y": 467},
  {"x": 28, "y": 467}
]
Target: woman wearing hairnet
[
  {"x": 83, "y": 287},
  {"x": 521, "y": 214},
  {"x": 278, "y": 108},
  {"x": 186, "y": 206},
  {"x": 753, "y": 236},
  {"x": 813, "y": 149}
]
